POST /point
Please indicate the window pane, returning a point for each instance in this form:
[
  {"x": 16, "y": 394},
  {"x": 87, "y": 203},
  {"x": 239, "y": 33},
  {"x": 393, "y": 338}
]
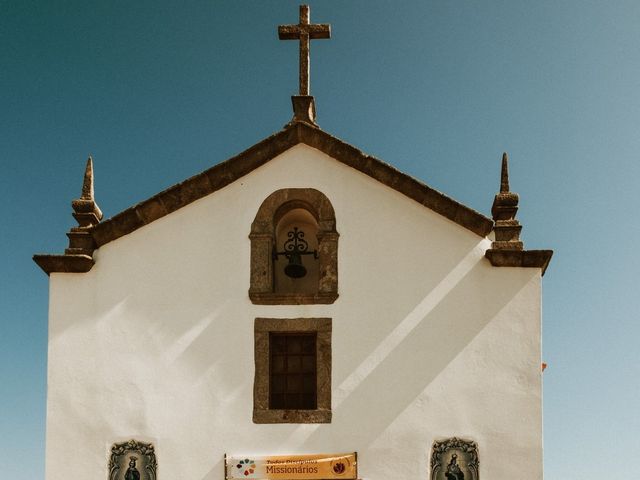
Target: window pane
[
  {"x": 294, "y": 364},
  {"x": 278, "y": 344},
  {"x": 292, "y": 400},
  {"x": 309, "y": 384},
  {"x": 294, "y": 344},
  {"x": 278, "y": 383},
  {"x": 277, "y": 364},
  {"x": 308, "y": 363},
  {"x": 309, "y": 344},
  {"x": 294, "y": 383},
  {"x": 309, "y": 401},
  {"x": 292, "y": 373},
  {"x": 277, "y": 401}
]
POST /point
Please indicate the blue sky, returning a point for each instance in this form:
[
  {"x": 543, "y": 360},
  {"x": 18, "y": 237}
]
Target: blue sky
[{"x": 158, "y": 91}]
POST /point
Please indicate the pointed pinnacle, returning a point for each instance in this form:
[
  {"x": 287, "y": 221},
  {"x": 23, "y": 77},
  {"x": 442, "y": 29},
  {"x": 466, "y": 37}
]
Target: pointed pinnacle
[
  {"x": 504, "y": 175},
  {"x": 87, "y": 184}
]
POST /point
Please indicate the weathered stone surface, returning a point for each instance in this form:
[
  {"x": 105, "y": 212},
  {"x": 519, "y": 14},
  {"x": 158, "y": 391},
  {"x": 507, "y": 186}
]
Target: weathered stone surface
[
  {"x": 507, "y": 250},
  {"x": 151, "y": 210},
  {"x": 520, "y": 258},
  {"x": 261, "y": 279},
  {"x": 537, "y": 258},
  {"x": 64, "y": 263},
  {"x": 77, "y": 256},
  {"x": 270, "y": 298},
  {"x": 106, "y": 232},
  {"x": 304, "y": 109},
  {"x": 129, "y": 222},
  {"x": 86, "y": 220},
  {"x": 85, "y": 209},
  {"x": 262, "y": 328},
  {"x": 80, "y": 242},
  {"x": 507, "y": 245},
  {"x": 328, "y": 256},
  {"x": 292, "y": 416},
  {"x": 304, "y": 31}
]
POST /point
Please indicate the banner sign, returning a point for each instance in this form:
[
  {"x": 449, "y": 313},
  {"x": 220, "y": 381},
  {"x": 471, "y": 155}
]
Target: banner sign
[{"x": 293, "y": 467}]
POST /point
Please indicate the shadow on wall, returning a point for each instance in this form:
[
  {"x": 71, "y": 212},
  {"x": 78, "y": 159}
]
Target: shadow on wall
[
  {"x": 415, "y": 361},
  {"x": 216, "y": 472},
  {"x": 390, "y": 374}
]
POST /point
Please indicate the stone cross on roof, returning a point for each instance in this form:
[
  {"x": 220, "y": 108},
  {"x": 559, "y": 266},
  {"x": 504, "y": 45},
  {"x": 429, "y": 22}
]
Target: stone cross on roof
[{"x": 304, "y": 31}]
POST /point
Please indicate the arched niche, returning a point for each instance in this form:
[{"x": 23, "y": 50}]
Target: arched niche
[{"x": 311, "y": 213}]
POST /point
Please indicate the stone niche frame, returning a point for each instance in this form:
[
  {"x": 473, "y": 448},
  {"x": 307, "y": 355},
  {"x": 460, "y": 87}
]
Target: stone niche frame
[
  {"x": 262, "y": 328},
  {"x": 262, "y": 236}
]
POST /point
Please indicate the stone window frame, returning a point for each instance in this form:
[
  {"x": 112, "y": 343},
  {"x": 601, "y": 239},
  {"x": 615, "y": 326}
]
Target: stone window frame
[
  {"x": 262, "y": 236},
  {"x": 262, "y": 328}
]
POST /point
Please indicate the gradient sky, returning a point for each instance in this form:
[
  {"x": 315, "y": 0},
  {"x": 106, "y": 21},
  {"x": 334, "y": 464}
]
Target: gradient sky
[{"x": 158, "y": 91}]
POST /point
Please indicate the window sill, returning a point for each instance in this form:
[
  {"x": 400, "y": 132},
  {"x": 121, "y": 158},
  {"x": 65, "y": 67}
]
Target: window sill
[
  {"x": 292, "y": 416},
  {"x": 262, "y": 298}
]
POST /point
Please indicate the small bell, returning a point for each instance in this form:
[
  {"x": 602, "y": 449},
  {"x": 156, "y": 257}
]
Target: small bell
[{"x": 295, "y": 268}]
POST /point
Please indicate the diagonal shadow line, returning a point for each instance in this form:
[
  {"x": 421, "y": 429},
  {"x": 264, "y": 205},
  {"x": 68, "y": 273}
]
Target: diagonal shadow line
[
  {"x": 186, "y": 341},
  {"x": 407, "y": 325},
  {"x": 216, "y": 472},
  {"x": 400, "y": 332},
  {"x": 417, "y": 360}
]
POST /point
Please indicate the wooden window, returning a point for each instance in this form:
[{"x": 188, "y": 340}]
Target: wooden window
[
  {"x": 292, "y": 371},
  {"x": 292, "y": 381}
]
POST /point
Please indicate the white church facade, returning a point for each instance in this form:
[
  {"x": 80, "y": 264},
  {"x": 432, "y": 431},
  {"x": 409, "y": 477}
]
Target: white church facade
[{"x": 301, "y": 299}]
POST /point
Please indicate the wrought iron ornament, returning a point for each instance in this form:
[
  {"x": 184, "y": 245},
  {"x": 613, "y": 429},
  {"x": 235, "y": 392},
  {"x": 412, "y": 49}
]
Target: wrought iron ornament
[
  {"x": 294, "y": 247},
  {"x": 454, "y": 459},
  {"x": 136, "y": 459}
]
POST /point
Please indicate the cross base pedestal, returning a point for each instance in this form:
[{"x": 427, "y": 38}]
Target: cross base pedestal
[{"x": 304, "y": 109}]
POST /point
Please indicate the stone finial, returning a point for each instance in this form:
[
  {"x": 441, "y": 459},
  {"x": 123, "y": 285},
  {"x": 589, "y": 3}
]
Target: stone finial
[
  {"x": 507, "y": 250},
  {"x": 505, "y": 206},
  {"x": 78, "y": 258},
  {"x": 504, "y": 174},
  {"x": 87, "y": 184},
  {"x": 85, "y": 209},
  {"x": 87, "y": 213}
]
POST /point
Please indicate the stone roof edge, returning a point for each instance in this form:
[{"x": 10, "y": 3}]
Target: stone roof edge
[
  {"x": 399, "y": 181},
  {"x": 193, "y": 188},
  {"x": 223, "y": 174}
]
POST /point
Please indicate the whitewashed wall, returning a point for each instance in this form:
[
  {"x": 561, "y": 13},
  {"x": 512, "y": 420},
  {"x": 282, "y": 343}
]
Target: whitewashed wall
[{"x": 429, "y": 341}]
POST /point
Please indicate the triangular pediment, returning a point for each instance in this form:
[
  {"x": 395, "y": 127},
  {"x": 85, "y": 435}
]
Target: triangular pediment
[{"x": 261, "y": 153}]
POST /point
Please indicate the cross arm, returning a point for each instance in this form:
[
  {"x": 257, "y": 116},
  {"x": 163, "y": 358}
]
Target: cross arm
[
  {"x": 319, "y": 30},
  {"x": 288, "y": 32},
  {"x": 292, "y": 32}
]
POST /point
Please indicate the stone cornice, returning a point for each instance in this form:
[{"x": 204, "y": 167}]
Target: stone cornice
[
  {"x": 520, "y": 258},
  {"x": 68, "y": 263},
  {"x": 507, "y": 250}
]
